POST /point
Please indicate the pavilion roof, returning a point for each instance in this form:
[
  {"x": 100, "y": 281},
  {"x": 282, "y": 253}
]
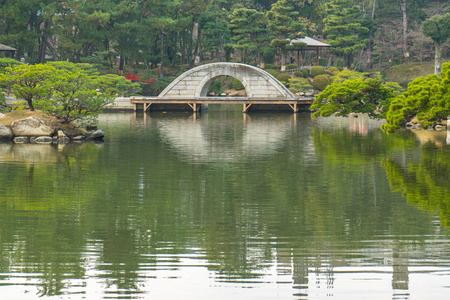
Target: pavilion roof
[
  {"x": 6, "y": 48},
  {"x": 311, "y": 44}
]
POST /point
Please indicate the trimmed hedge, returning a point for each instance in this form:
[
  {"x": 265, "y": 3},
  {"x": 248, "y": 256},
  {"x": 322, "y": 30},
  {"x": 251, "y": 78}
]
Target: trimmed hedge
[
  {"x": 320, "y": 82},
  {"x": 284, "y": 78},
  {"x": 317, "y": 70},
  {"x": 273, "y": 72}
]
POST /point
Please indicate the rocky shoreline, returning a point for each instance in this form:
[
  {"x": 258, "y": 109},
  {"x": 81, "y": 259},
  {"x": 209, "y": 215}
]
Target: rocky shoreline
[{"x": 37, "y": 131}]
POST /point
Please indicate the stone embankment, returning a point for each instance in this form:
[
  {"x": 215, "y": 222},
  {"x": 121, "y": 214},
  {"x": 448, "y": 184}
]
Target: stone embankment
[{"x": 37, "y": 131}]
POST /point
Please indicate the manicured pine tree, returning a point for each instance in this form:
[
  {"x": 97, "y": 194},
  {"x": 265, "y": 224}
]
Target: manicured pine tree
[
  {"x": 344, "y": 30},
  {"x": 249, "y": 33},
  {"x": 438, "y": 29}
]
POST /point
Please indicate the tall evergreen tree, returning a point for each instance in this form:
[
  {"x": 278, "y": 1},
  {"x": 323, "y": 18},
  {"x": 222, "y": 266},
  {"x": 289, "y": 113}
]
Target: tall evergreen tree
[
  {"x": 248, "y": 28},
  {"x": 344, "y": 29}
]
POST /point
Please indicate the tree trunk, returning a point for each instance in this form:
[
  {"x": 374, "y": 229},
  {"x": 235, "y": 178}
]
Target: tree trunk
[
  {"x": 405, "y": 31},
  {"x": 161, "y": 63},
  {"x": 437, "y": 59}
]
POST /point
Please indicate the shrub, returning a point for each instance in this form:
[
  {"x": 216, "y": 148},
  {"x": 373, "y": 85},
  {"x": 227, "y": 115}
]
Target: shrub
[
  {"x": 237, "y": 85},
  {"x": 299, "y": 74},
  {"x": 291, "y": 66},
  {"x": 317, "y": 70},
  {"x": 272, "y": 72},
  {"x": 299, "y": 85},
  {"x": 7, "y": 62},
  {"x": 215, "y": 85},
  {"x": 320, "y": 82},
  {"x": 332, "y": 71},
  {"x": 305, "y": 72},
  {"x": 284, "y": 78}
]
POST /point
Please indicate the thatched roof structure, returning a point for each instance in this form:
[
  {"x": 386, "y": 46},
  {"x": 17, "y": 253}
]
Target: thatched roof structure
[
  {"x": 6, "y": 48},
  {"x": 311, "y": 44}
]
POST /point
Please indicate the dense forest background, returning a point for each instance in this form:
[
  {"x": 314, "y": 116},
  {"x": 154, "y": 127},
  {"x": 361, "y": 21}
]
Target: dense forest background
[{"x": 156, "y": 35}]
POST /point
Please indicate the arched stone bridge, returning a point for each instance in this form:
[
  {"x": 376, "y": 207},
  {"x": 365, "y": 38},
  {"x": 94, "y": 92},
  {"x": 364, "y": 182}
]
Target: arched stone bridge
[
  {"x": 195, "y": 82},
  {"x": 192, "y": 86}
]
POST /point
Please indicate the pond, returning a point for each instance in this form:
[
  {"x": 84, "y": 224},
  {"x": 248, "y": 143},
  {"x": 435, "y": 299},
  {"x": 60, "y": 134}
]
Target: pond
[{"x": 225, "y": 205}]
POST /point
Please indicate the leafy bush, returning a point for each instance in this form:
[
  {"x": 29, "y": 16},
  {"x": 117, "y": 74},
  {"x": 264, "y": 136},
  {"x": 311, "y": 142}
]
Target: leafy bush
[
  {"x": 332, "y": 71},
  {"x": 284, "y": 78},
  {"x": 428, "y": 98},
  {"x": 299, "y": 74},
  {"x": 273, "y": 72},
  {"x": 215, "y": 85},
  {"x": 305, "y": 72},
  {"x": 237, "y": 85},
  {"x": 7, "y": 62},
  {"x": 355, "y": 92},
  {"x": 291, "y": 66},
  {"x": 320, "y": 82},
  {"x": 317, "y": 70},
  {"x": 299, "y": 85}
]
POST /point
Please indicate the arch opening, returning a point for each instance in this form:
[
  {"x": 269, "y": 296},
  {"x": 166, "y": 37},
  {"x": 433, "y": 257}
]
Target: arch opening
[{"x": 223, "y": 85}]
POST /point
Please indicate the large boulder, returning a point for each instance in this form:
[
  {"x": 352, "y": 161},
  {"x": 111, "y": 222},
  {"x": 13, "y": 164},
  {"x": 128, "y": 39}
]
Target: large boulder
[
  {"x": 5, "y": 133},
  {"x": 31, "y": 126}
]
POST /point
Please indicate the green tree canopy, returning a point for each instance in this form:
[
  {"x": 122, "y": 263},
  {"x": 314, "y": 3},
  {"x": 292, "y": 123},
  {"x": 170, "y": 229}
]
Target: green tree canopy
[
  {"x": 438, "y": 29},
  {"x": 344, "y": 29},
  {"x": 354, "y": 92},
  {"x": 428, "y": 98}
]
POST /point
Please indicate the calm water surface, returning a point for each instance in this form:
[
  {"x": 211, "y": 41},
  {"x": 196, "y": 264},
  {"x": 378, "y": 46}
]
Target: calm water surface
[{"x": 228, "y": 206}]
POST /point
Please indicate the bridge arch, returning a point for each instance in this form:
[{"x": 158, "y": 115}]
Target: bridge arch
[{"x": 195, "y": 82}]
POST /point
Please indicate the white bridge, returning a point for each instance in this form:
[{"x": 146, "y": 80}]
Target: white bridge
[{"x": 192, "y": 86}]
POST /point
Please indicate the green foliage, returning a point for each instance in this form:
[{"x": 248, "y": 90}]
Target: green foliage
[
  {"x": 27, "y": 81},
  {"x": 7, "y": 62},
  {"x": 306, "y": 72},
  {"x": 273, "y": 72},
  {"x": 438, "y": 29},
  {"x": 284, "y": 78},
  {"x": 2, "y": 101},
  {"x": 354, "y": 92},
  {"x": 73, "y": 93},
  {"x": 299, "y": 85},
  {"x": 428, "y": 98},
  {"x": 344, "y": 29},
  {"x": 18, "y": 105},
  {"x": 249, "y": 32},
  {"x": 269, "y": 56},
  {"x": 237, "y": 85},
  {"x": 299, "y": 74},
  {"x": 332, "y": 71},
  {"x": 215, "y": 85},
  {"x": 317, "y": 70},
  {"x": 320, "y": 82},
  {"x": 291, "y": 66}
]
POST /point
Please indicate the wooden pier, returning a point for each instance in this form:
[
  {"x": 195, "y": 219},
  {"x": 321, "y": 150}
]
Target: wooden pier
[{"x": 195, "y": 103}]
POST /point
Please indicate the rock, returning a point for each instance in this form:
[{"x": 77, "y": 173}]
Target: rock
[
  {"x": 91, "y": 127},
  {"x": 409, "y": 125},
  {"x": 78, "y": 138},
  {"x": 2, "y": 115},
  {"x": 417, "y": 126},
  {"x": 43, "y": 140},
  {"x": 440, "y": 127},
  {"x": 5, "y": 133},
  {"x": 20, "y": 139},
  {"x": 62, "y": 137},
  {"x": 96, "y": 135},
  {"x": 31, "y": 126}
]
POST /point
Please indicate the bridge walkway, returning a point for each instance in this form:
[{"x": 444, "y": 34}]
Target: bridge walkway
[{"x": 195, "y": 103}]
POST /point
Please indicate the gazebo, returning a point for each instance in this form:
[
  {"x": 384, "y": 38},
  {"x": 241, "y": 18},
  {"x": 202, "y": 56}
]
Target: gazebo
[
  {"x": 307, "y": 43},
  {"x": 7, "y": 51}
]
